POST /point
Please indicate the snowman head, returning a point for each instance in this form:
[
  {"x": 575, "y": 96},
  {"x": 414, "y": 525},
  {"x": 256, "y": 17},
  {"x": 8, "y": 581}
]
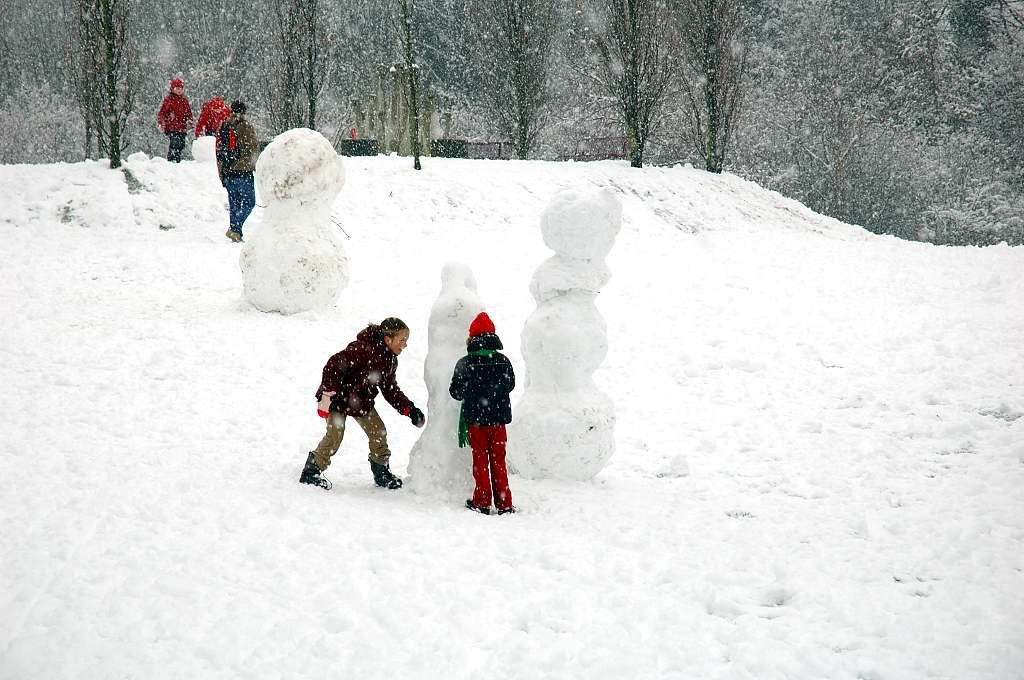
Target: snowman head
[
  {"x": 299, "y": 168},
  {"x": 457, "y": 275},
  {"x": 582, "y": 225}
]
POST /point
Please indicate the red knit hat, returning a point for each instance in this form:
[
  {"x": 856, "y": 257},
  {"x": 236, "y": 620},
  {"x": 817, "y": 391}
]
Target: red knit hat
[
  {"x": 177, "y": 82},
  {"x": 481, "y": 324}
]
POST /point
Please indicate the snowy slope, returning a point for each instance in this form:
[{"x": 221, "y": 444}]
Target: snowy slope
[{"x": 819, "y": 474}]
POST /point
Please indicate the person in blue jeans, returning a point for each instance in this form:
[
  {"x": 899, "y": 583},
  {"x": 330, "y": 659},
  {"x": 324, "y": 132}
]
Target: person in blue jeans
[{"x": 237, "y": 151}]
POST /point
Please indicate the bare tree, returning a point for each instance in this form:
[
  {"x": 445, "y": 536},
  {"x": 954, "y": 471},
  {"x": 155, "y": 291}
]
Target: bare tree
[
  {"x": 406, "y": 8},
  {"x": 516, "y": 40},
  {"x": 1010, "y": 15},
  {"x": 978, "y": 22},
  {"x": 302, "y": 69},
  {"x": 716, "y": 59},
  {"x": 841, "y": 139},
  {"x": 315, "y": 65},
  {"x": 7, "y": 52},
  {"x": 105, "y": 77},
  {"x": 635, "y": 67},
  {"x": 283, "y": 88},
  {"x": 80, "y": 58}
]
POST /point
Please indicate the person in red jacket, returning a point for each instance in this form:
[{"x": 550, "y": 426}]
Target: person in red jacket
[
  {"x": 212, "y": 116},
  {"x": 175, "y": 119},
  {"x": 349, "y": 383}
]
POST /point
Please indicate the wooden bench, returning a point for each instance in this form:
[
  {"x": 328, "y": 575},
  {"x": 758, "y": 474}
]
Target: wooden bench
[{"x": 600, "y": 149}]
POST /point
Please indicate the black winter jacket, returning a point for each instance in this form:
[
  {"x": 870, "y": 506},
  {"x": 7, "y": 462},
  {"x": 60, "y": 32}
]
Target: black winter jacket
[{"x": 483, "y": 383}]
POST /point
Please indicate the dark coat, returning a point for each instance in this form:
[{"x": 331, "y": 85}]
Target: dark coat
[
  {"x": 483, "y": 383},
  {"x": 357, "y": 372},
  {"x": 237, "y": 147}
]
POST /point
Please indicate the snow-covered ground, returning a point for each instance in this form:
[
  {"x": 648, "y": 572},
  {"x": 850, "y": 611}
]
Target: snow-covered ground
[{"x": 819, "y": 468}]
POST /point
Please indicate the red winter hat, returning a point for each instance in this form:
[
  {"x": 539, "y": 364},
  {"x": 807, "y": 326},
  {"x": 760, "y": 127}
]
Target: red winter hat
[
  {"x": 177, "y": 82},
  {"x": 481, "y": 324}
]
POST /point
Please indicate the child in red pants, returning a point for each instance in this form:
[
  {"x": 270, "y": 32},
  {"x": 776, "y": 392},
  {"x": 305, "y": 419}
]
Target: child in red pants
[{"x": 482, "y": 381}]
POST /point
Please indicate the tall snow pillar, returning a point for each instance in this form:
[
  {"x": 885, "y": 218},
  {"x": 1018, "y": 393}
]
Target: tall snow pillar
[
  {"x": 436, "y": 463},
  {"x": 564, "y": 426}
]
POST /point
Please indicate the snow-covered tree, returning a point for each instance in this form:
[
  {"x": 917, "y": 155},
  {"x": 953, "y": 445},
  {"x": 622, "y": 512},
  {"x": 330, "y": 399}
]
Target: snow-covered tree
[
  {"x": 406, "y": 8},
  {"x": 304, "y": 44},
  {"x": 515, "y": 40},
  {"x": 635, "y": 68},
  {"x": 106, "y": 61},
  {"x": 711, "y": 36}
]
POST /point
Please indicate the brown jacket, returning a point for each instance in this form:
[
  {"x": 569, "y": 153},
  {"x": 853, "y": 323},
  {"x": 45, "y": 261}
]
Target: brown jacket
[
  {"x": 357, "y": 372},
  {"x": 237, "y": 147}
]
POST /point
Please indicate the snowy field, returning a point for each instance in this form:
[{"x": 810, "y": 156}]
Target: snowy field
[{"x": 820, "y": 443}]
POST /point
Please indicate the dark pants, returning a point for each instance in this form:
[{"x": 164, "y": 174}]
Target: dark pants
[
  {"x": 241, "y": 198},
  {"x": 489, "y": 471},
  {"x": 175, "y": 146}
]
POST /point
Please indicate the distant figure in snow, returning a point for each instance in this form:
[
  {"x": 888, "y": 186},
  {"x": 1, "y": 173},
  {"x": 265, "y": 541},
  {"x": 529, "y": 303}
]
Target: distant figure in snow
[
  {"x": 237, "y": 151},
  {"x": 482, "y": 381},
  {"x": 212, "y": 116},
  {"x": 349, "y": 383},
  {"x": 175, "y": 119}
]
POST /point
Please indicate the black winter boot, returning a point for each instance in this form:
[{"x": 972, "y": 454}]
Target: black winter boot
[
  {"x": 476, "y": 508},
  {"x": 382, "y": 476},
  {"x": 311, "y": 474}
]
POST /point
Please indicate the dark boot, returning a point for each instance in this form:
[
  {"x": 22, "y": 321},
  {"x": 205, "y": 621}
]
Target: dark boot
[
  {"x": 382, "y": 476},
  {"x": 311, "y": 474},
  {"x": 474, "y": 508}
]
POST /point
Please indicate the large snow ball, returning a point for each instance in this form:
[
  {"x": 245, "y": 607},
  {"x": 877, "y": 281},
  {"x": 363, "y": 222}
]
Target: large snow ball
[
  {"x": 299, "y": 166},
  {"x": 564, "y": 435},
  {"x": 559, "y": 275},
  {"x": 204, "y": 149},
  {"x": 564, "y": 341},
  {"x": 582, "y": 225},
  {"x": 291, "y": 269}
]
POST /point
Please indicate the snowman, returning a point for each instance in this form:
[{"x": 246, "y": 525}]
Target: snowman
[
  {"x": 564, "y": 425},
  {"x": 436, "y": 463},
  {"x": 295, "y": 261}
]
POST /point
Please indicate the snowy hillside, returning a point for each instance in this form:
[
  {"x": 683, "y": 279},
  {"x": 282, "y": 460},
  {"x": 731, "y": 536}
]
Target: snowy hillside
[{"x": 820, "y": 443}]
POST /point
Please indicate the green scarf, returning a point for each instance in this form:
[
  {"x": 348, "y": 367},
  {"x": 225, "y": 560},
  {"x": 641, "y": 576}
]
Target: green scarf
[{"x": 463, "y": 425}]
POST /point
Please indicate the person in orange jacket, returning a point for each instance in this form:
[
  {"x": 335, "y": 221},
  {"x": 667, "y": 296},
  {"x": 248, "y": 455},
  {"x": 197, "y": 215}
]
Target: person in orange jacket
[{"x": 175, "y": 119}]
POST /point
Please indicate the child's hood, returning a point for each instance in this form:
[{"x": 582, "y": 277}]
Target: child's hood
[
  {"x": 484, "y": 341},
  {"x": 371, "y": 334}
]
